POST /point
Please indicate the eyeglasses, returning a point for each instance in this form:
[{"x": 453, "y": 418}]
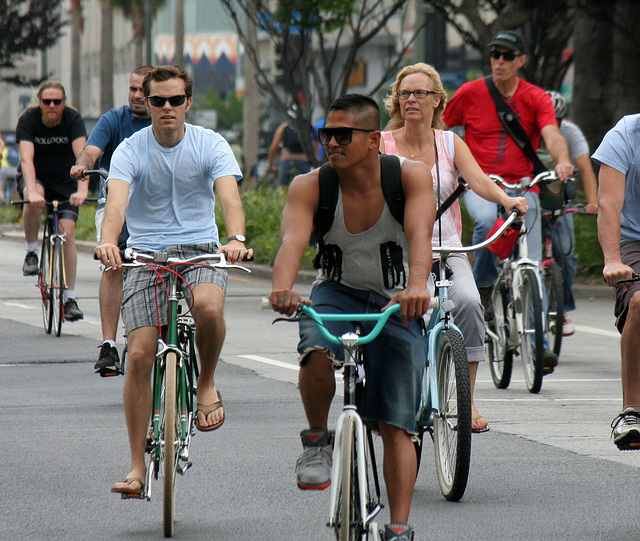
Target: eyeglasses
[
  {"x": 343, "y": 136},
  {"x": 174, "y": 101},
  {"x": 508, "y": 55},
  {"x": 49, "y": 102},
  {"x": 419, "y": 94}
]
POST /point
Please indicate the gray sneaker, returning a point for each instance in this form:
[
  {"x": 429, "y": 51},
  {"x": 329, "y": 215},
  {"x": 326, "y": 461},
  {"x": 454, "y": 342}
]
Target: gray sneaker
[
  {"x": 71, "y": 310},
  {"x": 313, "y": 469},
  {"x": 398, "y": 531},
  {"x": 626, "y": 430},
  {"x": 30, "y": 265}
]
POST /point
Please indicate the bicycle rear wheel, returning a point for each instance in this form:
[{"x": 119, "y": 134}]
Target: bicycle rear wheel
[
  {"x": 498, "y": 354},
  {"x": 452, "y": 423},
  {"x": 57, "y": 285},
  {"x": 554, "y": 286},
  {"x": 169, "y": 431},
  {"x": 44, "y": 285},
  {"x": 532, "y": 339}
]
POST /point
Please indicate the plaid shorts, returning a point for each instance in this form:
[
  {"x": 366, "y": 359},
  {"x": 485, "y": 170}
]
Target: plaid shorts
[{"x": 144, "y": 297}]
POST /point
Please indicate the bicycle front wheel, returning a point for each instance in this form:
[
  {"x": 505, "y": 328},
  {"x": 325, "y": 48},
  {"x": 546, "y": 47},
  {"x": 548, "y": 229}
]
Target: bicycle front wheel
[
  {"x": 498, "y": 354},
  {"x": 532, "y": 339},
  {"x": 169, "y": 437},
  {"x": 44, "y": 285},
  {"x": 57, "y": 285},
  {"x": 349, "y": 525},
  {"x": 452, "y": 423},
  {"x": 554, "y": 286}
]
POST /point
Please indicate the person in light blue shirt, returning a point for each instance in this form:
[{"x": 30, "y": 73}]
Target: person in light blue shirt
[
  {"x": 619, "y": 235},
  {"x": 112, "y": 128},
  {"x": 162, "y": 179}
]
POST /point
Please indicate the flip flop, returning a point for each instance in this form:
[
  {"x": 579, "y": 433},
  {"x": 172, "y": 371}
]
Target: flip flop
[
  {"x": 474, "y": 425},
  {"x": 206, "y": 410},
  {"x": 128, "y": 481}
]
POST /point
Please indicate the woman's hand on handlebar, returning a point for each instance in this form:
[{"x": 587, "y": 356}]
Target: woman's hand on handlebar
[
  {"x": 285, "y": 301},
  {"x": 414, "y": 303},
  {"x": 516, "y": 203},
  {"x": 109, "y": 255},
  {"x": 564, "y": 171}
]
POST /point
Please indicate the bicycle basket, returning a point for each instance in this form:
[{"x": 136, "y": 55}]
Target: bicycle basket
[{"x": 554, "y": 194}]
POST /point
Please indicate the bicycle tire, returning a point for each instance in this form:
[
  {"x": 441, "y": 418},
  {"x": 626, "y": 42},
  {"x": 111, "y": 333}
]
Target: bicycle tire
[
  {"x": 57, "y": 285},
  {"x": 44, "y": 285},
  {"x": 169, "y": 434},
  {"x": 532, "y": 353},
  {"x": 497, "y": 352},
  {"x": 554, "y": 286},
  {"x": 452, "y": 424},
  {"x": 349, "y": 522}
]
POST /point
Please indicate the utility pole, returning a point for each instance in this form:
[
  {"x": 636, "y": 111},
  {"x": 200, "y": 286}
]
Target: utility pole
[
  {"x": 251, "y": 101},
  {"x": 178, "y": 55},
  {"x": 147, "y": 31}
]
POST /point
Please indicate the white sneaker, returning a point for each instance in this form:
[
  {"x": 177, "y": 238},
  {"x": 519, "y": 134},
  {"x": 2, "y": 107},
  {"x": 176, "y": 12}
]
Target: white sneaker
[
  {"x": 626, "y": 430},
  {"x": 567, "y": 327}
]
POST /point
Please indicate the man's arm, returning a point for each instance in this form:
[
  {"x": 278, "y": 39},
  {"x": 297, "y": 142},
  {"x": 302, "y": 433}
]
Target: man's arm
[
  {"x": 419, "y": 215},
  {"x": 27, "y": 153},
  {"x": 227, "y": 193},
  {"x": 87, "y": 158},
  {"x": 610, "y": 202},
  {"x": 79, "y": 196},
  {"x": 557, "y": 147},
  {"x": 114, "y": 215},
  {"x": 295, "y": 230},
  {"x": 583, "y": 163}
]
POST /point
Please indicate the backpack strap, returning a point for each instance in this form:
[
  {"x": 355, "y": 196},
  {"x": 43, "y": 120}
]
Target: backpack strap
[
  {"x": 391, "y": 171},
  {"x": 327, "y": 200}
]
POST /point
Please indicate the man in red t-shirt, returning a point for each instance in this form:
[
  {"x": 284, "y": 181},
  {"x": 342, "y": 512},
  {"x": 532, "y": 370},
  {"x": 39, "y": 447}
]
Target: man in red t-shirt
[{"x": 497, "y": 153}]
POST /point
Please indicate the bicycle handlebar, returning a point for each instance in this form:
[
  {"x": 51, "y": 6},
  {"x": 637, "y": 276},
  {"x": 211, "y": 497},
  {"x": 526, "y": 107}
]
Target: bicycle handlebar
[
  {"x": 50, "y": 203},
  {"x": 526, "y": 183},
  {"x": 458, "y": 249},
  {"x": 319, "y": 319},
  {"x": 104, "y": 174},
  {"x": 133, "y": 258}
]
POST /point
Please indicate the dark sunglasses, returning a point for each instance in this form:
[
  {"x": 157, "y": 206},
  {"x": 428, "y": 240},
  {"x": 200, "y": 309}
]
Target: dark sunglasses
[
  {"x": 49, "y": 102},
  {"x": 508, "y": 55},
  {"x": 174, "y": 101},
  {"x": 343, "y": 136}
]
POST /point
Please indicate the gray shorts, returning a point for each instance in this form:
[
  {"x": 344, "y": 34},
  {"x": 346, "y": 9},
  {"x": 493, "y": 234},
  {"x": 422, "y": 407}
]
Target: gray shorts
[
  {"x": 144, "y": 300},
  {"x": 630, "y": 252}
]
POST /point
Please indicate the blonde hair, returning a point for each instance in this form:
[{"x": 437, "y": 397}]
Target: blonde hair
[
  {"x": 51, "y": 84},
  {"x": 391, "y": 102}
]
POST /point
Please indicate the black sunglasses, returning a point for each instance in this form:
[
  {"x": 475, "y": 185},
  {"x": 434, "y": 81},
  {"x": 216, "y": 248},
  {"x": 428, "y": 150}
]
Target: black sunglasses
[
  {"x": 508, "y": 55},
  {"x": 49, "y": 102},
  {"x": 174, "y": 101},
  {"x": 343, "y": 136}
]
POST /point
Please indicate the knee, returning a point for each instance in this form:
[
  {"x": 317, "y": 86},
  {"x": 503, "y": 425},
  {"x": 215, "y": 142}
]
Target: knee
[
  {"x": 140, "y": 361},
  {"x": 393, "y": 435},
  {"x": 634, "y": 307},
  {"x": 208, "y": 315}
]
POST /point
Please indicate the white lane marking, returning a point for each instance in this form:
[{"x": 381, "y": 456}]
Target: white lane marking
[
  {"x": 19, "y": 305},
  {"x": 273, "y": 362},
  {"x": 600, "y": 332}
]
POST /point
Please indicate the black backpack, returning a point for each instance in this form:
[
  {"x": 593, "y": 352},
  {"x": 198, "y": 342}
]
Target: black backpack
[{"x": 390, "y": 171}]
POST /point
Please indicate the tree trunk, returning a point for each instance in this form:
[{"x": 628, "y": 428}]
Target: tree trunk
[
  {"x": 593, "y": 99},
  {"x": 626, "y": 59},
  {"x": 75, "y": 13},
  {"x": 106, "y": 57},
  {"x": 178, "y": 56}
]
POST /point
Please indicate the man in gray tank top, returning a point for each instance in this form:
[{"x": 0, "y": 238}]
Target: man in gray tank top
[{"x": 373, "y": 263}]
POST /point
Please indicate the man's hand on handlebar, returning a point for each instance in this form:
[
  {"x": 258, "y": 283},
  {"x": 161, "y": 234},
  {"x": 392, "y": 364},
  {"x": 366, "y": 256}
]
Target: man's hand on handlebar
[
  {"x": 236, "y": 251},
  {"x": 77, "y": 172},
  {"x": 109, "y": 255},
  {"x": 414, "y": 303},
  {"x": 285, "y": 301},
  {"x": 617, "y": 271}
]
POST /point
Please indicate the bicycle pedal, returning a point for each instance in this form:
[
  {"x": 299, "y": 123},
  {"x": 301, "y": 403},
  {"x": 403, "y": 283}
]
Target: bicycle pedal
[
  {"x": 628, "y": 445},
  {"x": 183, "y": 467},
  {"x": 138, "y": 496},
  {"x": 110, "y": 372}
]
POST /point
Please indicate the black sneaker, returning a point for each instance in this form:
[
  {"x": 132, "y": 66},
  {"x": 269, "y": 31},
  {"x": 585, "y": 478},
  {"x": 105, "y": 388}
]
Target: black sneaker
[
  {"x": 485, "y": 299},
  {"x": 108, "y": 361},
  {"x": 71, "y": 310},
  {"x": 313, "y": 470},
  {"x": 398, "y": 531},
  {"x": 550, "y": 362},
  {"x": 30, "y": 265}
]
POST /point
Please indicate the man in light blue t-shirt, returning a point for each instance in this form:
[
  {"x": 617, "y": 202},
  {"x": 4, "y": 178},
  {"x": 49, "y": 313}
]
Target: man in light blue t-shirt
[
  {"x": 162, "y": 179},
  {"x": 112, "y": 128},
  {"x": 619, "y": 235}
]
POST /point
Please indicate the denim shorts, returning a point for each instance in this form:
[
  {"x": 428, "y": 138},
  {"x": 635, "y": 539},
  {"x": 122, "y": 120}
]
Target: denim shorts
[
  {"x": 144, "y": 301},
  {"x": 394, "y": 362}
]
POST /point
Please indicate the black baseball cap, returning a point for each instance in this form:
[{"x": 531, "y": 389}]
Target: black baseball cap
[{"x": 509, "y": 39}]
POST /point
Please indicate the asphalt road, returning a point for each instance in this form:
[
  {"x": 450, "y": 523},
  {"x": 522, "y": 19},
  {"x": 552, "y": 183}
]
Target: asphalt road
[{"x": 546, "y": 470}]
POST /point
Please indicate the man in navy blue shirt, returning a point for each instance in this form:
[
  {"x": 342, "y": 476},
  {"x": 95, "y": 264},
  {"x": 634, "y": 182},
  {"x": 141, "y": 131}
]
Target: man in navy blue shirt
[{"x": 112, "y": 128}]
